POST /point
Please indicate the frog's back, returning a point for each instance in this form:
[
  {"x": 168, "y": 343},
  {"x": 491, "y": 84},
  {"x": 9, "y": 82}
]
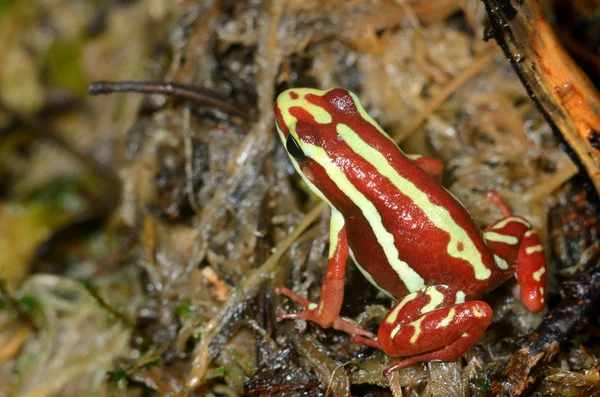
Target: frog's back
[{"x": 404, "y": 229}]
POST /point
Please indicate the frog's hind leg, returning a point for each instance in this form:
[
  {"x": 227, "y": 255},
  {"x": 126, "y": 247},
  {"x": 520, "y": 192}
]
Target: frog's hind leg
[
  {"x": 517, "y": 246},
  {"x": 431, "y": 324},
  {"x": 327, "y": 312}
]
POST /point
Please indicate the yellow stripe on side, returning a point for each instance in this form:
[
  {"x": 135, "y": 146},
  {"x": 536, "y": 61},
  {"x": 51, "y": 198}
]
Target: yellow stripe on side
[
  {"x": 438, "y": 215},
  {"x": 366, "y": 116},
  {"x": 411, "y": 279}
]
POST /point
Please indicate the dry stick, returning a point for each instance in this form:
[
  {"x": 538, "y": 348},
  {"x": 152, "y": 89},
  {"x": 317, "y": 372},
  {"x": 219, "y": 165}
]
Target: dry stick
[
  {"x": 47, "y": 132},
  {"x": 199, "y": 95},
  {"x": 245, "y": 291},
  {"x": 480, "y": 63}
]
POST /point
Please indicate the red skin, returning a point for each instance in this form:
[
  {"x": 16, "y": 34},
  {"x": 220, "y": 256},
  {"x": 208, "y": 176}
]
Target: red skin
[{"x": 418, "y": 241}]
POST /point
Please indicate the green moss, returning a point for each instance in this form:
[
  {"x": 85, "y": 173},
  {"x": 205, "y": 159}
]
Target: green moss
[
  {"x": 185, "y": 309},
  {"x": 117, "y": 374},
  {"x": 29, "y": 304}
]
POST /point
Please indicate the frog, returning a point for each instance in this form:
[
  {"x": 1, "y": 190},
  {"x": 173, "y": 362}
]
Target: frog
[{"x": 407, "y": 234}]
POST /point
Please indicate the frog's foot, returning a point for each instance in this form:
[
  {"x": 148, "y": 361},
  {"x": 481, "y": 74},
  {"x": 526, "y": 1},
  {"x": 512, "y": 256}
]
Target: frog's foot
[
  {"x": 314, "y": 313},
  {"x": 514, "y": 241}
]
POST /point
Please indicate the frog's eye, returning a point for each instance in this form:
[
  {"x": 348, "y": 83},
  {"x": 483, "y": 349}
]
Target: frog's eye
[{"x": 294, "y": 149}]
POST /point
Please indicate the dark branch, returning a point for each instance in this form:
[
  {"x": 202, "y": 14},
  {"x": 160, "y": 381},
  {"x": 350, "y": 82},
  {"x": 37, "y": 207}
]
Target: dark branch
[{"x": 199, "y": 95}]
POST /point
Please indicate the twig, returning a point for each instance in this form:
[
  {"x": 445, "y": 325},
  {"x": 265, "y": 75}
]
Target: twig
[{"x": 199, "y": 95}]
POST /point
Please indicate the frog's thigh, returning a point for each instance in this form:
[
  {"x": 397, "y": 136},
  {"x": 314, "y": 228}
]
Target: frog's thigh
[{"x": 433, "y": 323}]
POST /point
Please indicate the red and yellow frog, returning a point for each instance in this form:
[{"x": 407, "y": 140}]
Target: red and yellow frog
[{"x": 407, "y": 234}]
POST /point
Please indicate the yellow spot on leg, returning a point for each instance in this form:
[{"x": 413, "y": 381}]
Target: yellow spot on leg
[
  {"x": 501, "y": 238},
  {"x": 393, "y": 316},
  {"x": 537, "y": 276},
  {"x": 501, "y": 263},
  {"x": 446, "y": 321},
  {"x": 417, "y": 325},
  {"x": 535, "y": 248},
  {"x": 436, "y": 298}
]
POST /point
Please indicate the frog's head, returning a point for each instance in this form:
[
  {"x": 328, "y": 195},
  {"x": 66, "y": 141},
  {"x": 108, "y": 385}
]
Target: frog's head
[{"x": 309, "y": 121}]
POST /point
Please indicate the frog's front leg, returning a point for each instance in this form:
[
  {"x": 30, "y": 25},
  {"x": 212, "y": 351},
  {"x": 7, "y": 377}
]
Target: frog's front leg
[
  {"x": 431, "y": 324},
  {"x": 327, "y": 312},
  {"x": 517, "y": 248}
]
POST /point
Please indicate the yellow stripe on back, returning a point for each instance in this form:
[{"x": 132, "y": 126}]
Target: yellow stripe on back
[{"x": 438, "y": 215}]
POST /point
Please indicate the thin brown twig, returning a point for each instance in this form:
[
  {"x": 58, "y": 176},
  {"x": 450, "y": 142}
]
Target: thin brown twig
[{"x": 199, "y": 95}]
